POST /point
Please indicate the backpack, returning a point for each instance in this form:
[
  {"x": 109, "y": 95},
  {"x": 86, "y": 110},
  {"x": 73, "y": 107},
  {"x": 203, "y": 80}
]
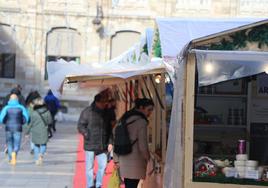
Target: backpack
[{"x": 122, "y": 142}]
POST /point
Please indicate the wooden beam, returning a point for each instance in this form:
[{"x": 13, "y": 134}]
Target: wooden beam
[
  {"x": 163, "y": 119},
  {"x": 188, "y": 118},
  {"x": 82, "y": 78}
]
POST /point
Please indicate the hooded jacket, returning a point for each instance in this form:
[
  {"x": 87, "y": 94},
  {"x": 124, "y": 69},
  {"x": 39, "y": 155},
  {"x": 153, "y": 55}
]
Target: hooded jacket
[
  {"x": 14, "y": 115},
  {"x": 52, "y": 103}
]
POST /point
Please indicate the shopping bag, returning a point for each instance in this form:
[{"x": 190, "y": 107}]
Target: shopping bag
[
  {"x": 114, "y": 181},
  {"x": 153, "y": 179}
]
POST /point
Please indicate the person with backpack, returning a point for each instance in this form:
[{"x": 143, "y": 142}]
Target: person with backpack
[
  {"x": 53, "y": 105},
  {"x": 38, "y": 126},
  {"x": 92, "y": 124},
  {"x": 130, "y": 143}
]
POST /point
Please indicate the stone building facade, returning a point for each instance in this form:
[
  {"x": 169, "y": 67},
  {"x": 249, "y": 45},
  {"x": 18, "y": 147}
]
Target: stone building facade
[{"x": 32, "y": 32}]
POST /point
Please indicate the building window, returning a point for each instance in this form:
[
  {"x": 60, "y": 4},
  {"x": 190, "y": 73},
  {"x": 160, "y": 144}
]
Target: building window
[
  {"x": 7, "y": 51},
  {"x": 66, "y": 58},
  {"x": 7, "y": 65},
  {"x": 121, "y": 41},
  {"x": 63, "y": 43}
]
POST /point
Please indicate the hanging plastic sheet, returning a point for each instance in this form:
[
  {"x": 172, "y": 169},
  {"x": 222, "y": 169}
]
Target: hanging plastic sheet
[
  {"x": 217, "y": 66},
  {"x": 173, "y": 175}
]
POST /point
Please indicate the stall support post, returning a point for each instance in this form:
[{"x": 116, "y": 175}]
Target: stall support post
[
  {"x": 163, "y": 119},
  {"x": 188, "y": 119}
]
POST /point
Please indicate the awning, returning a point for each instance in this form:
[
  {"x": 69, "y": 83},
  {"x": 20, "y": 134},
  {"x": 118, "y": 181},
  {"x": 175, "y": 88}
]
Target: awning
[
  {"x": 175, "y": 34},
  {"x": 108, "y": 73}
]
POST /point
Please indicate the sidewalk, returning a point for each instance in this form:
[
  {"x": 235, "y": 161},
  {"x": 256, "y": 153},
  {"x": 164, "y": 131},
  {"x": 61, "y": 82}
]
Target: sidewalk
[{"x": 58, "y": 167}]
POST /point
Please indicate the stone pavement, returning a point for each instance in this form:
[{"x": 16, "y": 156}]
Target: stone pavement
[{"x": 57, "y": 170}]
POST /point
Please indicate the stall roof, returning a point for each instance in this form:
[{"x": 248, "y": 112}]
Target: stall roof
[
  {"x": 176, "y": 34},
  {"x": 100, "y": 74}
]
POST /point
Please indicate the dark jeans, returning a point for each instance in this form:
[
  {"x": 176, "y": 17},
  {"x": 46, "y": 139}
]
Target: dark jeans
[
  {"x": 131, "y": 183},
  {"x": 53, "y": 122},
  {"x": 51, "y": 127}
]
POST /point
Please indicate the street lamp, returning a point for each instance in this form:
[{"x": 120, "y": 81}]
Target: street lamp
[{"x": 97, "y": 20}]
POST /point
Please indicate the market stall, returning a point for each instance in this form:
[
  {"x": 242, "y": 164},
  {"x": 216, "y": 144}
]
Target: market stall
[
  {"x": 129, "y": 76},
  {"x": 219, "y": 108}
]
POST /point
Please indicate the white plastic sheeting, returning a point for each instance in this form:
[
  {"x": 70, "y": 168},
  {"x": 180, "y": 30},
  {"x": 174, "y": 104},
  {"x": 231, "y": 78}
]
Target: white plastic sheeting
[
  {"x": 175, "y": 34},
  {"x": 130, "y": 63},
  {"x": 57, "y": 71},
  {"x": 218, "y": 66},
  {"x": 173, "y": 173}
]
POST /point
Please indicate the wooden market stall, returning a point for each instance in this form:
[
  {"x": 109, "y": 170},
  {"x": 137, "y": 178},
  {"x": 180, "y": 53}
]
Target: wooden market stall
[
  {"x": 125, "y": 91},
  {"x": 219, "y": 73},
  {"x": 127, "y": 80},
  {"x": 219, "y": 110}
]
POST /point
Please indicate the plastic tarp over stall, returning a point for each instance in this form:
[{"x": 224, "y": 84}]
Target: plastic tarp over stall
[
  {"x": 60, "y": 69},
  {"x": 132, "y": 62},
  {"x": 175, "y": 35},
  {"x": 218, "y": 66}
]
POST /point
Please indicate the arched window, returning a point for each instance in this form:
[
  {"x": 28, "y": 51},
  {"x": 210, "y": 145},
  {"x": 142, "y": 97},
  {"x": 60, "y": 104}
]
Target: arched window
[
  {"x": 65, "y": 43},
  {"x": 122, "y": 41},
  {"x": 7, "y": 52}
]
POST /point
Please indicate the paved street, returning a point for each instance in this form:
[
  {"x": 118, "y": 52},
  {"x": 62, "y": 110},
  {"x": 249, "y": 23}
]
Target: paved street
[{"x": 58, "y": 167}]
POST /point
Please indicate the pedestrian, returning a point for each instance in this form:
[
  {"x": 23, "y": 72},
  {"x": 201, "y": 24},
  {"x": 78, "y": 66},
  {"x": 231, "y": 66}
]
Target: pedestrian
[
  {"x": 13, "y": 115},
  {"x": 16, "y": 90},
  {"x": 29, "y": 105},
  {"x": 93, "y": 127},
  {"x": 53, "y": 105},
  {"x": 38, "y": 126},
  {"x": 132, "y": 166}
]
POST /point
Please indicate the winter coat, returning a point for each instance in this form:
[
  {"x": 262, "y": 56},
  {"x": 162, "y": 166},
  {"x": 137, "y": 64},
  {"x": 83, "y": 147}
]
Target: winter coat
[
  {"x": 93, "y": 127},
  {"x": 14, "y": 115},
  {"x": 133, "y": 165},
  {"x": 38, "y": 126},
  {"x": 52, "y": 103}
]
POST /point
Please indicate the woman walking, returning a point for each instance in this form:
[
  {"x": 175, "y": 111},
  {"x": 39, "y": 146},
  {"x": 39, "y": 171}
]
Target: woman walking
[{"x": 38, "y": 126}]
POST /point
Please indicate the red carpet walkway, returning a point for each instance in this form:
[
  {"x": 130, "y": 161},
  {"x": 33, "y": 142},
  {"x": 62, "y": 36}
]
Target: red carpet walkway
[{"x": 79, "y": 180}]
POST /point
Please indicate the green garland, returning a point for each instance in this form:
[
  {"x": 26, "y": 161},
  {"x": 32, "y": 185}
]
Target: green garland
[
  {"x": 239, "y": 39},
  {"x": 157, "y": 46}
]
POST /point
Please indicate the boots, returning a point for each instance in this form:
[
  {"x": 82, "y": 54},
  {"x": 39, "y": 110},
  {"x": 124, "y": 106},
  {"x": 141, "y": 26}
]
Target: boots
[
  {"x": 13, "y": 158},
  {"x": 39, "y": 161}
]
